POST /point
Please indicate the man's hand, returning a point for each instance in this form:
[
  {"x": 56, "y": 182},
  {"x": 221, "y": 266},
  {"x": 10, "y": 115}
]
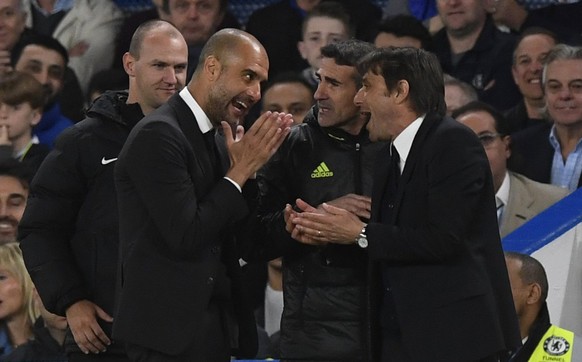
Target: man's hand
[
  {"x": 356, "y": 204},
  {"x": 82, "y": 318},
  {"x": 251, "y": 150},
  {"x": 333, "y": 225}
]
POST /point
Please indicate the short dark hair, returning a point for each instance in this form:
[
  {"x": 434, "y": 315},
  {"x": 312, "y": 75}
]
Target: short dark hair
[
  {"x": 19, "y": 87},
  {"x": 17, "y": 170},
  {"x": 532, "y": 271},
  {"x": 406, "y": 25},
  {"x": 288, "y": 77},
  {"x": 348, "y": 52},
  {"x": 333, "y": 10},
  {"x": 44, "y": 41},
  {"x": 501, "y": 125},
  {"x": 420, "y": 68}
]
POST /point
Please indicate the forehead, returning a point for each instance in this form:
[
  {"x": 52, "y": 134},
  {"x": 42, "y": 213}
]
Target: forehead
[
  {"x": 535, "y": 42},
  {"x": 330, "y": 69},
  {"x": 9, "y": 4},
  {"x": 42, "y": 55},
  {"x": 325, "y": 24},
  {"x": 250, "y": 56},
  {"x": 564, "y": 69},
  {"x": 11, "y": 185},
  {"x": 194, "y": 2},
  {"x": 287, "y": 92},
  {"x": 479, "y": 121},
  {"x": 160, "y": 45},
  {"x": 385, "y": 40}
]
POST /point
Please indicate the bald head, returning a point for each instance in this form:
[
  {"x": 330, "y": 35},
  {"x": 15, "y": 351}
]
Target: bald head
[
  {"x": 225, "y": 44},
  {"x": 149, "y": 28}
]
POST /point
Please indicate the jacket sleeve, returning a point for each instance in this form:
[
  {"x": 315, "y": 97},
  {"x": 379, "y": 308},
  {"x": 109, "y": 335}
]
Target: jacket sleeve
[{"x": 48, "y": 224}]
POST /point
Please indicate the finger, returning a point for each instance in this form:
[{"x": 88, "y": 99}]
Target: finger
[
  {"x": 305, "y": 206},
  {"x": 260, "y": 122},
  {"x": 240, "y": 131},
  {"x": 227, "y": 133}
]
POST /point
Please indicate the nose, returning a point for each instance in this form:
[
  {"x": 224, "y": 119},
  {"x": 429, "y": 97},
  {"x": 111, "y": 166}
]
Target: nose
[
  {"x": 254, "y": 91},
  {"x": 170, "y": 76},
  {"x": 320, "y": 92},
  {"x": 192, "y": 11},
  {"x": 3, "y": 111},
  {"x": 359, "y": 97},
  {"x": 42, "y": 77}
]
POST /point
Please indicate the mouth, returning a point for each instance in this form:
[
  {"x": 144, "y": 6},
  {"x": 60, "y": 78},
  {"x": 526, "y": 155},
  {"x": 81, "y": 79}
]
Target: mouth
[{"x": 241, "y": 107}]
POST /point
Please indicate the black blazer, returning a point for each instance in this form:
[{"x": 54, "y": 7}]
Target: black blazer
[
  {"x": 532, "y": 154},
  {"x": 441, "y": 249},
  {"x": 177, "y": 222}
]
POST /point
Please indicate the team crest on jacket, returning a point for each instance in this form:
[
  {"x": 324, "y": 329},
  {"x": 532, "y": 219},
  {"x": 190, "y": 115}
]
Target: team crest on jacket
[{"x": 556, "y": 346}]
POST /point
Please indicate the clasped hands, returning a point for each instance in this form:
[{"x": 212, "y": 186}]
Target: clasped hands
[
  {"x": 250, "y": 150},
  {"x": 336, "y": 221}
]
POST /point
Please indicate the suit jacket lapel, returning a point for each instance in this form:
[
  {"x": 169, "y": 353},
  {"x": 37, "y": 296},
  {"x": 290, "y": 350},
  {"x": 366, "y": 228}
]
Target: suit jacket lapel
[
  {"x": 192, "y": 132},
  {"x": 380, "y": 181}
]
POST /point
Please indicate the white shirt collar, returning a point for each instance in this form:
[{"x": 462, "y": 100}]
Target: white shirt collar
[
  {"x": 203, "y": 121},
  {"x": 502, "y": 194},
  {"x": 403, "y": 142}
]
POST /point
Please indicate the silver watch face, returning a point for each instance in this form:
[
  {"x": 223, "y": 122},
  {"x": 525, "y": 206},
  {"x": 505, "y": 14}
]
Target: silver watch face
[{"x": 363, "y": 242}]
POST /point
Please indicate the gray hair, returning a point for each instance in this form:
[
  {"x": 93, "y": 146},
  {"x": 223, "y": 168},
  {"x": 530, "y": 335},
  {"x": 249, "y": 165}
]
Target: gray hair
[{"x": 560, "y": 52}]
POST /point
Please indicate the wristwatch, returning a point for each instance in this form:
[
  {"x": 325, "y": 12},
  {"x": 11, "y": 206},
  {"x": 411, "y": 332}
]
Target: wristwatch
[{"x": 362, "y": 238}]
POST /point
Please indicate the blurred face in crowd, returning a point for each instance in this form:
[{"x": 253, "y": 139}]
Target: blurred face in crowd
[
  {"x": 320, "y": 31},
  {"x": 236, "y": 82},
  {"x": 46, "y": 65},
  {"x": 18, "y": 121},
  {"x": 563, "y": 90},
  {"x": 11, "y": 295},
  {"x": 197, "y": 20},
  {"x": 307, "y": 5},
  {"x": 496, "y": 146},
  {"x": 12, "y": 23},
  {"x": 528, "y": 64},
  {"x": 335, "y": 96},
  {"x": 13, "y": 197},
  {"x": 461, "y": 17},
  {"x": 455, "y": 98},
  {"x": 292, "y": 97},
  {"x": 385, "y": 40},
  {"x": 159, "y": 70}
]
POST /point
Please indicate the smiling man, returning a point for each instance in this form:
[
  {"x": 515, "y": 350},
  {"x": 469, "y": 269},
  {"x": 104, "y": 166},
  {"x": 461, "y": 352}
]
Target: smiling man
[
  {"x": 13, "y": 195},
  {"x": 74, "y": 194},
  {"x": 432, "y": 240},
  {"x": 182, "y": 190},
  {"x": 552, "y": 152}
]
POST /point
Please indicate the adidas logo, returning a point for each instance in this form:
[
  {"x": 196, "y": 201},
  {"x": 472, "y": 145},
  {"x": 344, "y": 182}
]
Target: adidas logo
[{"x": 321, "y": 171}]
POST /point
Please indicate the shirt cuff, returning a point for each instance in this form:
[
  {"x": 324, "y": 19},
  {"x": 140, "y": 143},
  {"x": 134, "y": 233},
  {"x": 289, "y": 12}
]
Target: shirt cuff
[{"x": 234, "y": 183}]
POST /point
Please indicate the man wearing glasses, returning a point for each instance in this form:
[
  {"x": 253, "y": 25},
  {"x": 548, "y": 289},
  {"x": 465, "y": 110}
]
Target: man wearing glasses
[{"x": 517, "y": 197}]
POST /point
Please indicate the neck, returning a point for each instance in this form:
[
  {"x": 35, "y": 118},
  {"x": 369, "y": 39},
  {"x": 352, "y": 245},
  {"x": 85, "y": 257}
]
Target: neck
[
  {"x": 47, "y": 5},
  {"x": 354, "y": 126},
  {"x": 498, "y": 181},
  {"x": 19, "y": 329},
  {"x": 534, "y": 107},
  {"x": 568, "y": 137},
  {"x": 464, "y": 41},
  {"x": 275, "y": 277},
  {"x": 20, "y": 144},
  {"x": 526, "y": 321}
]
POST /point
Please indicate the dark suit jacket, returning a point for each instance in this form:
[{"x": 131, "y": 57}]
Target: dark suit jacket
[
  {"x": 177, "y": 222},
  {"x": 532, "y": 154},
  {"x": 441, "y": 249}
]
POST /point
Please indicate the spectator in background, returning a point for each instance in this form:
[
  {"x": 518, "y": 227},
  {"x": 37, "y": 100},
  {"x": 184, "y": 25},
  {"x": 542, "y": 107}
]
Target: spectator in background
[
  {"x": 529, "y": 285},
  {"x": 14, "y": 181},
  {"x": 518, "y": 198},
  {"x": 531, "y": 49},
  {"x": 288, "y": 92},
  {"x": 196, "y": 20},
  {"x": 22, "y": 99},
  {"x": 402, "y": 31},
  {"x": 19, "y": 310},
  {"x": 48, "y": 337},
  {"x": 561, "y": 19},
  {"x": 552, "y": 152},
  {"x": 326, "y": 23},
  {"x": 69, "y": 233},
  {"x": 86, "y": 28},
  {"x": 45, "y": 59},
  {"x": 13, "y": 25},
  {"x": 473, "y": 50},
  {"x": 457, "y": 93}
]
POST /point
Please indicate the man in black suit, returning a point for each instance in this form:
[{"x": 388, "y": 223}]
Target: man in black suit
[
  {"x": 432, "y": 238},
  {"x": 181, "y": 204}
]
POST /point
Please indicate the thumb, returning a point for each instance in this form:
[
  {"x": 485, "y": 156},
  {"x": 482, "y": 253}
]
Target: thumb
[
  {"x": 227, "y": 132},
  {"x": 102, "y": 314}
]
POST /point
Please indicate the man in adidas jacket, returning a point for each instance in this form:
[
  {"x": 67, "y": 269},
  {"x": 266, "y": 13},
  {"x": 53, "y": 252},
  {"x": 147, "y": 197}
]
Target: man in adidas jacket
[{"x": 328, "y": 158}]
